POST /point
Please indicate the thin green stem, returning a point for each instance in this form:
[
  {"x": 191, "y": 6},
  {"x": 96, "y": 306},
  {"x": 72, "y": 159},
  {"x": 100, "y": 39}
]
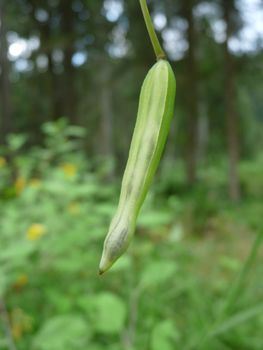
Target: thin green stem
[
  {"x": 6, "y": 324},
  {"x": 243, "y": 274},
  {"x": 155, "y": 42},
  {"x": 234, "y": 291}
]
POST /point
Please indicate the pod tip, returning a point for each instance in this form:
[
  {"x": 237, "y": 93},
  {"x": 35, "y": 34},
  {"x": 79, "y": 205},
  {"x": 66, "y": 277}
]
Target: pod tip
[{"x": 101, "y": 272}]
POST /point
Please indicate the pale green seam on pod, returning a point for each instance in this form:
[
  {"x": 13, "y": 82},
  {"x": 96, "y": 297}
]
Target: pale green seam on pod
[{"x": 151, "y": 129}]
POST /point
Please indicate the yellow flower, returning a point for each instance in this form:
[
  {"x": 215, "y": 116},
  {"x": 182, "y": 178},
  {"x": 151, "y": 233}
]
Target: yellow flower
[
  {"x": 21, "y": 280},
  {"x": 20, "y": 323},
  {"x": 73, "y": 208},
  {"x": 34, "y": 183},
  {"x": 35, "y": 232},
  {"x": 2, "y": 162},
  {"x": 20, "y": 184},
  {"x": 17, "y": 331},
  {"x": 69, "y": 169}
]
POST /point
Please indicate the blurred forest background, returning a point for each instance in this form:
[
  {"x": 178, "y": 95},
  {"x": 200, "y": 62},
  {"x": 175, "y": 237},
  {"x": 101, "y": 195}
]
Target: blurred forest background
[{"x": 71, "y": 73}]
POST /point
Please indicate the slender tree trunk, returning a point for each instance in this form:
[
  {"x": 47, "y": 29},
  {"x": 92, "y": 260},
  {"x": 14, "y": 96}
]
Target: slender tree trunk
[
  {"x": 105, "y": 130},
  {"x": 34, "y": 125},
  {"x": 4, "y": 82},
  {"x": 231, "y": 111},
  {"x": 69, "y": 86},
  {"x": 105, "y": 144},
  {"x": 192, "y": 112},
  {"x": 69, "y": 92},
  {"x": 202, "y": 133},
  {"x": 54, "y": 86}
]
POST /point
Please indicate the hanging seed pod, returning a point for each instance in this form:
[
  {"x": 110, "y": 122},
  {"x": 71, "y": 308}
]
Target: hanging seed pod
[{"x": 152, "y": 125}]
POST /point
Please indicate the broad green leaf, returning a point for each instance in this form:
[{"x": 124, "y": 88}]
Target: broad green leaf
[
  {"x": 107, "y": 209},
  {"x": 158, "y": 271},
  {"x": 61, "y": 302},
  {"x": 106, "y": 311},
  {"x": 69, "y": 264},
  {"x": 230, "y": 264},
  {"x": 16, "y": 141},
  {"x": 164, "y": 336},
  {"x": 63, "y": 333},
  {"x": 75, "y": 130},
  {"x": 50, "y": 128},
  {"x": 122, "y": 264},
  {"x": 154, "y": 219},
  {"x": 4, "y": 343},
  {"x": 18, "y": 250}
]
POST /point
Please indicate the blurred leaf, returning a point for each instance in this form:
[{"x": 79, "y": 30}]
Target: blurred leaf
[
  {"x": 67, "y": 146},
  {"x": 70, "y": 264},
  {"x": 124, "y": 263},
  {"x": 63, "y": 333},
  {"x": 106, "y": 209},
  {"x": 15, "y": 142},
  {"x": 18, "y": 250},
  {"x": 154, "y": 218},
  {"x": 3, "y": 281},
  {"x": 176, "y": 233},
  {"x": 75, "y": 130},
  {"x": 4, "y": 342},
  {"x": 158, "y": 271},
  {"x": 55, "y": 187},
  {"x": 61, "y": 302},
  {"x": 164, "y": 336},
  {"x": 230, "y": 263},
  {"x": 49, "y": 128},
  {"x": 239, "y": 318},
  {"x": 107, "y": 312},
  {"x": 52, "y": 128}
]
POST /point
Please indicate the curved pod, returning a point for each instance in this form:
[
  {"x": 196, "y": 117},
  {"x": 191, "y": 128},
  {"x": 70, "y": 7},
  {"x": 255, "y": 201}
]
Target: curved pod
[{"x": 151, "y": 129}]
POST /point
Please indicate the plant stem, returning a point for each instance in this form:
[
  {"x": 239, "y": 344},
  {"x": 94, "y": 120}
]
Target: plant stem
[
  {"x": 155, "y": 42},
  {"x": 6, "y": 324},
  {"x": 234, "y": 291}
]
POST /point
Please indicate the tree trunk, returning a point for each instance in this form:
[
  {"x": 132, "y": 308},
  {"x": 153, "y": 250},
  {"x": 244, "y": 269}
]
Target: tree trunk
[
  {"x": 105, "y": 130},
  {"x": 231, "y": 112},
  {"x": 191, "y": 137},
  {"x": 202, "y": 133},
  {"x": 4, "y": 82},
  {"x": 105, "y": 145},
  {"x": 69, "y": 83},
  {"x": 55, "y": 87}
]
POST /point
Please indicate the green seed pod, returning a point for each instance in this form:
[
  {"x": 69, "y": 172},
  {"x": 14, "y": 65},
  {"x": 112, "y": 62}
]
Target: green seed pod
[{"x": 152, "y": 125}]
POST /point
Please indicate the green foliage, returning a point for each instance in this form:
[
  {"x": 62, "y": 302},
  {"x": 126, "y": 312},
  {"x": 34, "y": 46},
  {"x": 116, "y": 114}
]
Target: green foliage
[
  {"x": 62, "y": 332},
  {"x": 157, "y": 272},
  {"x": 173, "y": 287},
  {"x": 100, "y": 308},
  {"x": 168, "y": 291},
  {"x": 164, "y": 335}
]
